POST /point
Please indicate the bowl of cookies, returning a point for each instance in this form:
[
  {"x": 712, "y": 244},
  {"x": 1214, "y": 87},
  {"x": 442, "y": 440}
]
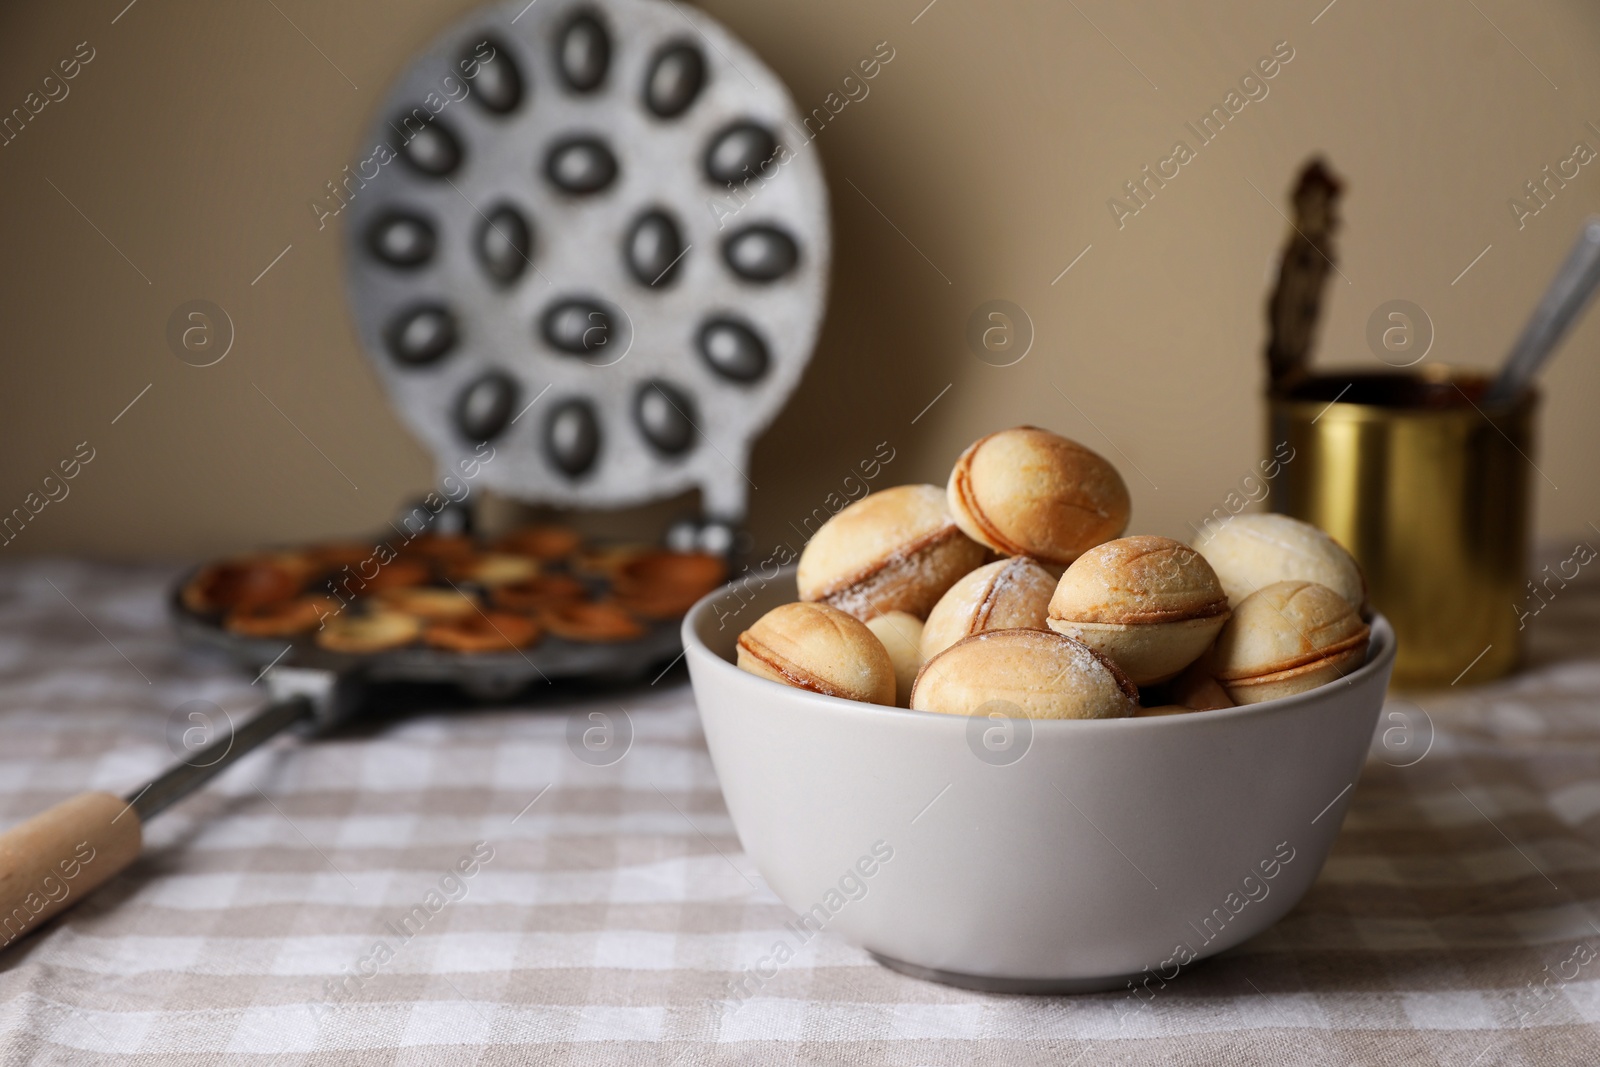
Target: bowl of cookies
[{"x": 985, "y": 734}]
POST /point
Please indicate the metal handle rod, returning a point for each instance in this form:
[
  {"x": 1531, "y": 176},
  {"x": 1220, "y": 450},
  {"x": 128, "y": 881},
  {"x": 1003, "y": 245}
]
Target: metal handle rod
[
  {"x": 1565, "y": 297},
  {"x": 184, "y": 778}
]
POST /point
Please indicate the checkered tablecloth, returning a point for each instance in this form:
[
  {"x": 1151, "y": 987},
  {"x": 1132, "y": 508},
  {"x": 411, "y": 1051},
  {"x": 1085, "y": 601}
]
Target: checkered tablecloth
[{"x": 608, "y": 908}]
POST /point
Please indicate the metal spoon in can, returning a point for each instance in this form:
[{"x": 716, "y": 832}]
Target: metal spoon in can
[{"x": 1569, "y": 291}]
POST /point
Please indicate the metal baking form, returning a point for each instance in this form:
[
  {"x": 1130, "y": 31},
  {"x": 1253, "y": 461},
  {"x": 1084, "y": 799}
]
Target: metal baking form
[{"x": 589, "y": 241}]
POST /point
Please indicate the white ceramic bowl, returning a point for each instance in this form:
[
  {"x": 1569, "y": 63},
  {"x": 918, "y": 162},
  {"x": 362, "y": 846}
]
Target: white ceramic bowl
[{"x": 1027, "y": 856}]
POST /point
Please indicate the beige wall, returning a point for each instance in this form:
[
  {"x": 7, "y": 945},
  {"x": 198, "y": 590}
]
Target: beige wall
[{"x": 198, "y": 133}]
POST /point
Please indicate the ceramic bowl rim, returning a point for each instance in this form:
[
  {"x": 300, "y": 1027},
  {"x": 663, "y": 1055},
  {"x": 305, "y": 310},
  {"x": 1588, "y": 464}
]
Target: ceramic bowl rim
[{"x": 1381, "y": 647}]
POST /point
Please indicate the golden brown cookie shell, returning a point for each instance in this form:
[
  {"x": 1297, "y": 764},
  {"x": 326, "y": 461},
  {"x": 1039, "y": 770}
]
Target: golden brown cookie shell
[
  {"x": 1140, "y": 579},
  {"x": 817, "y": 647},
  {"x": 1045, "y": 675},
  {"x": 543, "y": 542},
  {"x": 545, "y": 590},
  {"x": 366, "y": 634},
  {"x": 288, "y": 618},
  {"x": 894, "y": 550},
  {"x": 494, "y": 631},
  {"x": 1008, "y": 594},
  {"x": 590, "y": 622},
  {"x": 246, "y": 581},
  {"x": 1029, "y": 492},
  {"x": 1284, "y": 626}
]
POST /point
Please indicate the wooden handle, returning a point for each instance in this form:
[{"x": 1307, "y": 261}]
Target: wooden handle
[{"x": 58, "y": 857}]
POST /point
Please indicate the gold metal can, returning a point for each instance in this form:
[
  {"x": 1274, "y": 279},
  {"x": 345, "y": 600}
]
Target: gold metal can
[{"x": 1428, "y": 487}]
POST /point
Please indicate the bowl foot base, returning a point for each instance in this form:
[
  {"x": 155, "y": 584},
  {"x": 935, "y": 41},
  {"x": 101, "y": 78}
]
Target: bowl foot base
[{"x": 990, "y": 984}]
